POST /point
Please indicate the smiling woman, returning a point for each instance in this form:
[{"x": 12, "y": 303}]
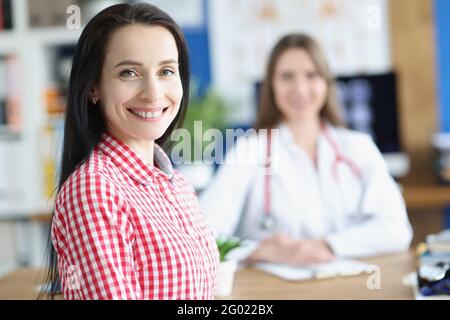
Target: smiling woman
[
  {"x": 126, "y": 225},
  {"x": 140, "y": 92}
]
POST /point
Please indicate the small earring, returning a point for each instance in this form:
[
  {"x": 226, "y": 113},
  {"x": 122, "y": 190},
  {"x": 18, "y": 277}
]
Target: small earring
[{"x": 94, "y": 100}]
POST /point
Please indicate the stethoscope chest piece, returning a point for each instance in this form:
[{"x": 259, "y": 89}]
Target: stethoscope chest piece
[{"x": 268, "y": 222}]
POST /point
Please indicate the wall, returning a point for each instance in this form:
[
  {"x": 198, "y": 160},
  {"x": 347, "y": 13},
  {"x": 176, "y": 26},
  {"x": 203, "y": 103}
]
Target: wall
[
  {"x": 418, "y": 47},
  {"x": 442, "y": 34},
  {"x": 353, "y": 34},
  {"x": 442, "y": 14},
  {"x": 413, "y": 55}
]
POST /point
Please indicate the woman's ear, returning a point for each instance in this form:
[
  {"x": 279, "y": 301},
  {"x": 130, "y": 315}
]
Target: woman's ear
[{"x": 94, "y": 96}]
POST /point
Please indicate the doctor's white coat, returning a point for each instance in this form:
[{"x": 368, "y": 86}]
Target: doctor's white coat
[{"x": 356, "y": 216}]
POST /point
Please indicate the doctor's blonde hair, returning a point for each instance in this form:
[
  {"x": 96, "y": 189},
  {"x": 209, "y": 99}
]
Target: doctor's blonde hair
[{"x": 268, "y": 113}]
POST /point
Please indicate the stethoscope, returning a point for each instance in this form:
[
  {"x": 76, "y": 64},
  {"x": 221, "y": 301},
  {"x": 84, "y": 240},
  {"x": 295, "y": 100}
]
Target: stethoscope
[{"x": 268, "y": 220}]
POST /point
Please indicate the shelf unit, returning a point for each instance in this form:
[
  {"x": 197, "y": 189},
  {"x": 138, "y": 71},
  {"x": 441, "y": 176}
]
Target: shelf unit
[
  {"x": 32, "y": 48},
  {"x": 8, "y": 41}
]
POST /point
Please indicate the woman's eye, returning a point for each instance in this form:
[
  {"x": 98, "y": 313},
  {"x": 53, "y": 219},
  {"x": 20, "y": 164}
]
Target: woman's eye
[
  {"x": 313, "y": 75},
  {"x": 286, "y": 76},
  {"x": 167, "y": 72},
  {"x": 129, "y": 73}
]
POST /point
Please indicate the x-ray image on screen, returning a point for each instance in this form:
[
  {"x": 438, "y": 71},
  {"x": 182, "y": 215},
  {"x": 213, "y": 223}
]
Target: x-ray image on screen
[{"x": 370, "y": 105}]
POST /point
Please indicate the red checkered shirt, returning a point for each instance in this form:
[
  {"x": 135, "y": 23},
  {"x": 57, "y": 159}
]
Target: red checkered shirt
[{"x": 124, "y": 229}]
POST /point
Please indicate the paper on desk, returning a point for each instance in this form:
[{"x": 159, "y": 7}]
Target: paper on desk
[{"x": 339, "y": 267}]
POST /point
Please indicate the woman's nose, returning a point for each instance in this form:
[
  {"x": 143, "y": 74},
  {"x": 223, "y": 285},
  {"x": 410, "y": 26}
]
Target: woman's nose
[
  {"x": 150, "y": 91},
  {"x": 301, "y": 86}
]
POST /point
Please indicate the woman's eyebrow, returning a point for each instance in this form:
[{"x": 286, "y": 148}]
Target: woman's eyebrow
[
  {"x": 168, "y": 61},
  {"x": 128, "y": 63},
  {"x": 136, "y": 63}
]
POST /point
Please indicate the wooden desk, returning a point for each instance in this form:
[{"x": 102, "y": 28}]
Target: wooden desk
[
  {"x": 20, "y": 285},
  {"x": 422, "y": 191},
  {"x": 427, "y": 196},
  {"x": 254, "y": 284}
]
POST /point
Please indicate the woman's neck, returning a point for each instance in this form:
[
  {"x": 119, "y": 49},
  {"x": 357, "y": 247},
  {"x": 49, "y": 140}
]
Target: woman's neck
[
  {"x": 306, "y": 134},
  {"x": 145, "y": 149}
]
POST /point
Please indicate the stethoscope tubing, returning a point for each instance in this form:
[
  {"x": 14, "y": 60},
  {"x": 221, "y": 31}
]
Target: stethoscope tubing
[{"x": 339, "y": 158}]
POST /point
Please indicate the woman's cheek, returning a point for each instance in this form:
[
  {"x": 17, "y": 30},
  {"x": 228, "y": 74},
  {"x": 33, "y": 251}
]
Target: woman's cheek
[
  {"x": 176, "y": 93},
  {"x": 323, "y": 88}
]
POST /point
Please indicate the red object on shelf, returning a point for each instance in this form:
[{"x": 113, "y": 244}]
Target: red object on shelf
[{"x": 2, "y": 26}]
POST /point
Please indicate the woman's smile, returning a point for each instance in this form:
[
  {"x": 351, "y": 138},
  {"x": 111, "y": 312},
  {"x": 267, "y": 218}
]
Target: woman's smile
[{"x": 148, "y": 114}]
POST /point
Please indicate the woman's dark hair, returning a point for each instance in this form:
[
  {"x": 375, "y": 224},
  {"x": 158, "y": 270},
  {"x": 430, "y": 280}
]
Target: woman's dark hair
[
  {"x": 268, "y": 113},
  {"x": 84, "y": 122}
]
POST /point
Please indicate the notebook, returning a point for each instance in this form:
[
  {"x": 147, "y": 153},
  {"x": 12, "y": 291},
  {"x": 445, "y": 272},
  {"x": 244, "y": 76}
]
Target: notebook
[{"x": 337, "y": 268}]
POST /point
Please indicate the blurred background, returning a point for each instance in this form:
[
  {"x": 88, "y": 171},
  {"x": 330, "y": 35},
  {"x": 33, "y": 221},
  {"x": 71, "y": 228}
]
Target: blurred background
[{"x": 390, "y": 58}]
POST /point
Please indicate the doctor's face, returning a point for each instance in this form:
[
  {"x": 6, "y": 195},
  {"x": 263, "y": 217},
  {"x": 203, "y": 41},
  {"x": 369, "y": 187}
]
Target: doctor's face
[
  {"x": 140, "y": 89},
  {"x": 299, "y": 90}
]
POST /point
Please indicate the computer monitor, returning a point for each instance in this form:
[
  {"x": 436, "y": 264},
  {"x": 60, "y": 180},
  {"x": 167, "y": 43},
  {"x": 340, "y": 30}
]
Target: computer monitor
[{"x": 369, "y": 105}]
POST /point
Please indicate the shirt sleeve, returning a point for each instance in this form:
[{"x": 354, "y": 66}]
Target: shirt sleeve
[
  {"x": 223, "y": 201},
  {"x": 94, "y": 241},
  {"x": 388, "y": 228}
]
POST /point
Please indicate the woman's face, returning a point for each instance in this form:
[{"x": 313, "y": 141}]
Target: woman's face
[
  {"x": 299, "y": 90},
  {"x": 140, "y": 89}
]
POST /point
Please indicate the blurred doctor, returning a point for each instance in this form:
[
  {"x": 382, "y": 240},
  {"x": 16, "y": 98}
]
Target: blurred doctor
[{"x": 322, "y": 191}]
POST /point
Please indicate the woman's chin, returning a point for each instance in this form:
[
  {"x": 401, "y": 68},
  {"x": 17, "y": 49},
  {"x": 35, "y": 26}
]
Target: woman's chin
[
  {"x": 146, "y": 134},
  {"x": 303, "y": 115}
]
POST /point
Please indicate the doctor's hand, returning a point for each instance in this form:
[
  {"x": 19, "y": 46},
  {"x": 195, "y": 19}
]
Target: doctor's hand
[{"x": 281, "y": 248}]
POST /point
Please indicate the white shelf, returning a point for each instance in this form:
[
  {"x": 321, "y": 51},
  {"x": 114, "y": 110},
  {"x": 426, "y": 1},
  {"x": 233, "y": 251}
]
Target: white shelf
[
  {"x": 23, "y": 211},
  {"x": 33, "y": 47},
  {"x": 6, "y": 134},
  {"x": 8, "y": 42},
  {"x": 55, "y": 35},
  {"x": 11, "y": 41}
]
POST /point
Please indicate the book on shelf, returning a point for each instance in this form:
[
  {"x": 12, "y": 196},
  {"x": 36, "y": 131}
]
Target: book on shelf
[
  {"x": 435, "y": 249},
  {"x": 5, "y": 15},
  {"x": 432, "y": 277},
  {"x": 10, "y": 109},
  {"x": 2, "y": 112},
  {"x": 3, "y": 90},
  {"x": 439, "y": 243},
  {"x": 51, "y": 146},
  {"x": 3, "y": 76},
  {"x": 434, "y": 257}
]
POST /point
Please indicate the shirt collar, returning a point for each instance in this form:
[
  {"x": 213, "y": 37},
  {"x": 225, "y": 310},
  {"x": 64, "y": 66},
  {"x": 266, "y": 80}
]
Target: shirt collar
[
  {"x": 137, "y": 168},
  {"x": 322, "y": 143},
  {"x": 286, "y": 133}
]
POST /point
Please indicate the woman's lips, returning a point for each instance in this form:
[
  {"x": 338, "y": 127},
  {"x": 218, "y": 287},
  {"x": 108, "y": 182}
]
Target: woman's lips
[{"x": 148, "y": 114}]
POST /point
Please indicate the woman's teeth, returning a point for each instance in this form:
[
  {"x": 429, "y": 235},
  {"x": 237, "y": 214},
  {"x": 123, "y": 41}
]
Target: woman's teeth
[{"x": 147, "y": 115}]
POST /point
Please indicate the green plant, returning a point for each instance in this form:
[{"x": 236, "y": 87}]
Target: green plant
[
  {"x": 212, "y": 110},
  {"x": 226, "y": 245}
]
